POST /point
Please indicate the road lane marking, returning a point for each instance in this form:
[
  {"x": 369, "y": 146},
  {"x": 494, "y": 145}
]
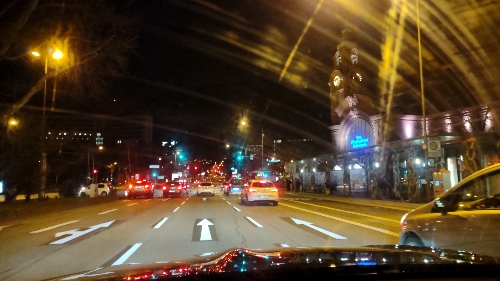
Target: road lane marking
[
  {"x": 175, "y": 210},
  {"x": 228, "y": 202},
  {"x": 160, "y": 223},
  {"x": 107, "y": 212},
  {"x": 147, "y": 200},
  {"x": 75, "y": 233},
  {"x": 346, "y": 221},
  {"x": 126, "y": 200},
  {"x": 132, "y": 204},
  {"x": 166, "y": 199},
  {"x": 2, "y": 227},
  {"x": 183, "y": 202},
  {"x": 237, "y": 209},
  {"x": 253, "y": 221},
  {"x": 127, "y": 254},
  {"x": 187, "y": 199},
  {"x": 52, "y": 227},
  {"x": 348, "y": 212},
  {"x": 205, "y": 230},
  {"x": 87, "y": 274},
  {"x": 284, "y": 245},
  {"x": 319, "y": 229}
]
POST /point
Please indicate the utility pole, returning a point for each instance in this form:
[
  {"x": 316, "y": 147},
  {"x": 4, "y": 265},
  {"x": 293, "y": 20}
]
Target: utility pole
[
  {"x": 262, "y": 147},
  {"x": 424, "y": 146}
]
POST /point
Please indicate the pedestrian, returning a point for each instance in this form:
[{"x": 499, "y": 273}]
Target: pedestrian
[
  {"x": 288, "y": 184},
  {"x": 333, "y": 185},
  {"x": 297, "y": 185}
]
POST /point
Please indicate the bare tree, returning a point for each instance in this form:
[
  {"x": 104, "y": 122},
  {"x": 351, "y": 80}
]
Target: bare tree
[{"x": 95, "y": 37}]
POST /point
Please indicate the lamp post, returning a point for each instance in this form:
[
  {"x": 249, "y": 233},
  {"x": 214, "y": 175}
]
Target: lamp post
[
  {"x": 56, "y": 55},
  {"x": 424, "y": 146}
]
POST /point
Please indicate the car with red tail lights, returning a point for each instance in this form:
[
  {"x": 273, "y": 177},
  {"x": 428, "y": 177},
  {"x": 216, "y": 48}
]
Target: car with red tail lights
[
  {"x": 259, "y": 191},
  {"x": 140, "y": 188},
  {"x": 173, "y": 188}
]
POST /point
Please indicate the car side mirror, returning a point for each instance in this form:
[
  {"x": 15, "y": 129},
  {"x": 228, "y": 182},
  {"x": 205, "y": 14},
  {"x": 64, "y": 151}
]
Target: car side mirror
[{"x": 441, "y": 206}]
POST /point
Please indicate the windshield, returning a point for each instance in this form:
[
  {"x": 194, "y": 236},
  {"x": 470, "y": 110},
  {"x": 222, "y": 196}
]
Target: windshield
[
  {"x": 339, "y": 123},
  {"x": 262, "y": 184}
]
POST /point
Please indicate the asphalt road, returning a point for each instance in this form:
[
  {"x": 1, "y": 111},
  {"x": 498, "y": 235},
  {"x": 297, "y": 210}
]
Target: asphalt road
[{"x": 162, "y": 230}]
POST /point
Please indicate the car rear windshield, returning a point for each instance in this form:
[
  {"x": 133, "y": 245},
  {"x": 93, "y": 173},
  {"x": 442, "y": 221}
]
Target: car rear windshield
[
  {"x": 262, "y": 184},
  {"x": 206, "y": 184},
  {"x": 236, "y": 182}
]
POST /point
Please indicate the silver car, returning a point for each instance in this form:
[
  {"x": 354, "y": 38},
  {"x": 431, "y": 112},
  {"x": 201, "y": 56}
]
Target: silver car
[
  {"x": 466, "y": 217},
  {"x": 259, "y": 191},
  {"x": 205, "y": 188},
  {"x": 235, "y": 186}
]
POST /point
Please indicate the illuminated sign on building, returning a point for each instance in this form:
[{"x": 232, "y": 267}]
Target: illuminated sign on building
[{"x": 360, "y": 142}]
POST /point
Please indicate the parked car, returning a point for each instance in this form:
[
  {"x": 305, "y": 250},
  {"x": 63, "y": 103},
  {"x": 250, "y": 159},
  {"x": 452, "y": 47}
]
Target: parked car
[
  {"x": 259, "y": 191},
  {"x": 173, "y": 189},
  {"x": 466, "y": 217},
  {"x": 140, "y": 188},
  {"x": 95, "y": 189},
  {"x": 205, "y": 188}
]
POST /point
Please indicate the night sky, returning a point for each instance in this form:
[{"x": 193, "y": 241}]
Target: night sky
[{"x": 201, "y": 66}]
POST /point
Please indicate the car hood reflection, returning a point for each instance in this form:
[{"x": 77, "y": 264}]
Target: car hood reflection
[{"x": 357, "y": 260}]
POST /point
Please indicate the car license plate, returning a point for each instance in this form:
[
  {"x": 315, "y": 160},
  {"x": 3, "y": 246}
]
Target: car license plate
[{"x": 171, "y": 191}]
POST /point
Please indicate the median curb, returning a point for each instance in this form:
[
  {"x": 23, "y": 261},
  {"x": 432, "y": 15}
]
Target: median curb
[{"x": 397, "y": 205}]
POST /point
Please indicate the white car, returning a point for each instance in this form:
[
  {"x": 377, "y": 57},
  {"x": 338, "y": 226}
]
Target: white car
[
  {"x": 95, "y": 189},
  {"x": 465, "y": 218},
  {"x": 205, "y": 188},
  {"x": 259, "y": 191}
]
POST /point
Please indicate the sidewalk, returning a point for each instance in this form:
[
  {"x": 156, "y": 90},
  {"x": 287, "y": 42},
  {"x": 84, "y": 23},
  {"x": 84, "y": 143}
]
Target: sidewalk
[{"x": 389, "y": 204}]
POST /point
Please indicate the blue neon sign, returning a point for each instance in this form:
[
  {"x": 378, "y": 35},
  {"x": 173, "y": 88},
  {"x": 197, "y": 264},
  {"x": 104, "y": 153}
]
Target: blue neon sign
[{"x": 360, "y": 142}]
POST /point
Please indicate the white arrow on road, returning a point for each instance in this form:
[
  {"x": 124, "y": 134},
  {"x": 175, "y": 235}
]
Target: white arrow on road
[
  {"x": 205, "y": 231},
  {"x": 77, "y": 233},
  {"x": 310, "y": 225}
]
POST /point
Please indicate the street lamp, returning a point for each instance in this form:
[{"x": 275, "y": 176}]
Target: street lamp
[{"x": 56, "y": 55}]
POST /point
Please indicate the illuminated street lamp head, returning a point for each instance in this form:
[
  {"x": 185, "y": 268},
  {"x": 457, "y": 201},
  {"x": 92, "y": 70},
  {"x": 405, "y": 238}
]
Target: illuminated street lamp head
[
  {"x": 57, "y": 55},
  {"x": 13, "y": 122},
  {"x": 243, "y": 123},
  {"x": 36, "y": 54},
  {"x": 101, "y": 147}
]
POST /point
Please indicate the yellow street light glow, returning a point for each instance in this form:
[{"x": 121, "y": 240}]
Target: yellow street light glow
[
  {"x": 13, "y": 122},
  {"x": 36, "y": 54},
  {"x": 101, "y": 147},
  {"x": 57, "y": 55}
]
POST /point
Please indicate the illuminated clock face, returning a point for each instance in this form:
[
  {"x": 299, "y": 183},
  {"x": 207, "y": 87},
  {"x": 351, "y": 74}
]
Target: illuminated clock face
[
  {"x": 336, "y": 81},
  {"x": 433, "y": 145}
]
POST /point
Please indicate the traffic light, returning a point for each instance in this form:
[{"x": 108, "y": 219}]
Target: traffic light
[
  {"x": 95, "y": 171},
  {"x": 240, "y": 157},
  {"x": 196, "y": 167},
  {"x": 154, "y": 174}
]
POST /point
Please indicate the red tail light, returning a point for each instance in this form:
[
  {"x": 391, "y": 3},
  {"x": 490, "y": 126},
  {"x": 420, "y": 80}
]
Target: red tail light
[
  {"x": 129, "y": 186},
  {"x": 179, "y": 187},
  {"x": 164, "y": 188},
  {"x": 146, "y": 186}
]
